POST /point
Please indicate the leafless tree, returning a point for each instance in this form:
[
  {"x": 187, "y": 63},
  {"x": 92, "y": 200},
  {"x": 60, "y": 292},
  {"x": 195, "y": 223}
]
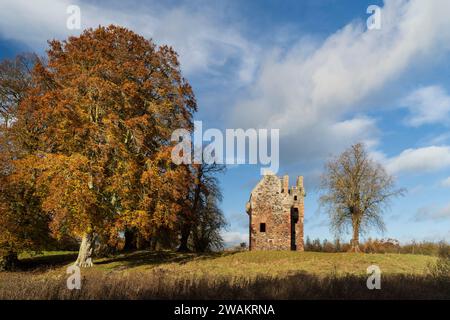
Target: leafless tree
[
  {"x": 15, "y": 80},
  {"x": 356, "y": 191}
]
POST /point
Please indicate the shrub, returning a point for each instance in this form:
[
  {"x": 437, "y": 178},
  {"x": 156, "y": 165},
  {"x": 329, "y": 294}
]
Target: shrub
[{"x": 380, "y": 246}]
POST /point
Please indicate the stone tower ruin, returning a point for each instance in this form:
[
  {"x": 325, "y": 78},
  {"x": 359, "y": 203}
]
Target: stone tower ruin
[{"x": 276, "y": 213}]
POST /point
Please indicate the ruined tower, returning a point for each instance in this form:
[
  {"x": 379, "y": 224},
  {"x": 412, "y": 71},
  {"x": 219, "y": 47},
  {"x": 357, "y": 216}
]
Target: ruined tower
[{"x": 276, "y": 213}]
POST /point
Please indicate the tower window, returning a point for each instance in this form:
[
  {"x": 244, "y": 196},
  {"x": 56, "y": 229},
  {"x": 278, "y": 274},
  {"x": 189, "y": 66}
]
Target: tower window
[
  {"x": 295, "y": 198},
  {"x": 262, "y": 227}
]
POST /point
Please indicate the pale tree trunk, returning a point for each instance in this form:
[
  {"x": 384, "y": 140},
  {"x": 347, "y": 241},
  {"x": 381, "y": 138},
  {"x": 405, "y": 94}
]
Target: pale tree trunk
[
  {"x": 355, "y": 239},
  {"x": 86, "y": 251}
]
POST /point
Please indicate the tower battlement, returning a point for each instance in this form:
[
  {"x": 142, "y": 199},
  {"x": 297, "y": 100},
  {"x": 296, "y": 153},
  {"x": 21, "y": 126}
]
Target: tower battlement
[{"x": 276, "y": 213}]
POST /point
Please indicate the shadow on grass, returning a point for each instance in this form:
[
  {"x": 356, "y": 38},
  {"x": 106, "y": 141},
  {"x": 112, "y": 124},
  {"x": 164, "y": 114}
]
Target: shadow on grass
[
  {"x": 123, "y": 260},
  {"x": 157, "y": 285},
  {"x": 46, "y": 261},
  {"x": 151, "y": 258}
]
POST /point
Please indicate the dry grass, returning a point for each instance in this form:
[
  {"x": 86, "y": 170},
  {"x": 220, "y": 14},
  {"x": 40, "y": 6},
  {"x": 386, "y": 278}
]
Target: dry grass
[
  {"x": 268, "y": 263},
  {"x": 244, "y": 275}
]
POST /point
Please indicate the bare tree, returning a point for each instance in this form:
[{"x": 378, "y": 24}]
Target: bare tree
[
  {"x": 15, "y": 80},
  {"x": 202, "y": 203},
  {"x": 210, "y": 221},
  {"x": 356, "y": 192}
]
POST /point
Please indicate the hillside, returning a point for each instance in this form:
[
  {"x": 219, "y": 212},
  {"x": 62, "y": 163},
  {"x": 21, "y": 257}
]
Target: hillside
[
  {"x": 267, "y": 263},
  {"x": 245, "y": 275}
]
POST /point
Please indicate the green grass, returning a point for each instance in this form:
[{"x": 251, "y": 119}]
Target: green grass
[
  {"x": 270, "y": 263},
  {"x": 245, "y": 264},
  {"x": 227, "y": 275},
  {"x": 31, "y": 255}
]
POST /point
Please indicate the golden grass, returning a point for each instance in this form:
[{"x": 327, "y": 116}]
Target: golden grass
[
  {"x": 232, "y": 275},
  {"x": 270, "y": 263}
]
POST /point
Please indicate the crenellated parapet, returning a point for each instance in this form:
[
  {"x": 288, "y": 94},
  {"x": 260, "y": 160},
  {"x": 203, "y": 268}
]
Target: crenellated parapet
[{"x": 276, "y": 213}]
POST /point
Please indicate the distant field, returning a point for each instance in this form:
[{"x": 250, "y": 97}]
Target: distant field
[
  {"x": 269, "y": 263},
  {"x": 274, "y": 274}
]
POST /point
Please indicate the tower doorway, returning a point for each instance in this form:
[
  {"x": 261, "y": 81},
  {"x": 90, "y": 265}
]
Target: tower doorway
[{"x": 294, "y": 220}]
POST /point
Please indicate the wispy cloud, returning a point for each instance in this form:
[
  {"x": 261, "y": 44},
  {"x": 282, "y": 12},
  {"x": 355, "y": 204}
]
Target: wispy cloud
[
  {"x": 315, "y": 93},
  {"x": 440, "y": 139},
  {"x": 234, "y": 238},
  {"x": 433, "y": 213},
  {"x": 428, "y": 105},
  {"x": 420, "y": 160},
  {"x": 203, "y": 39},
  {"x": 446, "y": 182}
]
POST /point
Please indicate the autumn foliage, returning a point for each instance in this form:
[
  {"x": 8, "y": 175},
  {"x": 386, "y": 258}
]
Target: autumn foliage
[{"x": 86, "y": 146}]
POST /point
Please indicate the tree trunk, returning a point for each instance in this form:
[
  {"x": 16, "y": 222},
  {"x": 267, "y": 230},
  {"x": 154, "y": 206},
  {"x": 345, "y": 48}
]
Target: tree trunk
[
  {"x": 130, "y": 240},
  {"x": 86, "y": 250},
  {"x": 9, "y": 262},
  {"x": 185, "y": 231},
  {"x": 142, "y": 243},
  {"x": 355, "y": 239}
]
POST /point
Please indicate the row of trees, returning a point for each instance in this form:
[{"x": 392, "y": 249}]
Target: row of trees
[
  {"x": 378, "y": 246},
  {"x": 85, "y": 149}
]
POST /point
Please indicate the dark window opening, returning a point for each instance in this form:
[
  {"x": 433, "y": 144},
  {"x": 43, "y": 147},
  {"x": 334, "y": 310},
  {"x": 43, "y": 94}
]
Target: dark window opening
[
  {"x": 295, "y": 198},
  {"x": 262, "y": 227},
  {"x": 294, "y": 220},
  {"x": 282, "y": 190}
]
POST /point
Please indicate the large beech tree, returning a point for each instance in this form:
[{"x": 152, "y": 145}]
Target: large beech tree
[
  {"x": 23, "y": 225},
  {"x": 356, "y": 191},
  {"x": 96, "y": 125}
]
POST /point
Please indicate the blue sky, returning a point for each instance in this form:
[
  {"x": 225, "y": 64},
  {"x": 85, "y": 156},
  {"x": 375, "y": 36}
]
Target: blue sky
[{"x": 309, "y": 68}]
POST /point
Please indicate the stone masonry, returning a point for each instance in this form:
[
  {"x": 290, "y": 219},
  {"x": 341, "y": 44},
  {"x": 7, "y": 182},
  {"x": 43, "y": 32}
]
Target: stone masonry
[{"x": 276, "y": 213}]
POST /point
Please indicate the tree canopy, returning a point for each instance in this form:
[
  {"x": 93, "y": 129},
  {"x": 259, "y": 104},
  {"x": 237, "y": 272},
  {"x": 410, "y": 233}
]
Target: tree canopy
[
  {"x": 356, "y": 190},
  {"x": 87, "y": 136}
]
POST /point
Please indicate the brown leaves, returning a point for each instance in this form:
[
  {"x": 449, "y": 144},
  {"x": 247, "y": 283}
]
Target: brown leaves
[{"x": 93, "y": 130}]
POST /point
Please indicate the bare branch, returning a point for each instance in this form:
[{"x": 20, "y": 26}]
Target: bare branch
[{"x": 356, "y": 192}]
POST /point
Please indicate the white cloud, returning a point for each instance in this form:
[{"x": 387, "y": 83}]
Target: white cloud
[
  {"x": 234, "y": 238},
  {"x": 312, "y": 93},
  {"x": 204, "y": 41},
  {"x": 433, "y": 213},
  {"x": 428, "y": 105},
  {"x": 420, "y": 160},
  {"x": 446, "y": 182},
  {"x": 308, "y": 91},
  {"x": 440, "y": 139}
]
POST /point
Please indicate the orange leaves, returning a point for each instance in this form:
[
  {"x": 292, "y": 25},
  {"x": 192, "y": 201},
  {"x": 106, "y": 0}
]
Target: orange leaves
[
  {"x": 64, "y": 184},
  {"x": 93, "y": 131},
  {"x": 168, "y": 187},
  {"x": 22, "y": 224}
]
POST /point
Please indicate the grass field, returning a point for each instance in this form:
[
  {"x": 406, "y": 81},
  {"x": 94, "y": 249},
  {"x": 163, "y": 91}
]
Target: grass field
[
  {"x": 227, "y": 275},
  {"x": 270, "y": 263}
]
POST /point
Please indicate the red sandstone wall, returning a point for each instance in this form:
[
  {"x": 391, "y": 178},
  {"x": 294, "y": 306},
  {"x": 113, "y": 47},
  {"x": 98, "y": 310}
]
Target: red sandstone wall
[{"x": 271, "y": 206}]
